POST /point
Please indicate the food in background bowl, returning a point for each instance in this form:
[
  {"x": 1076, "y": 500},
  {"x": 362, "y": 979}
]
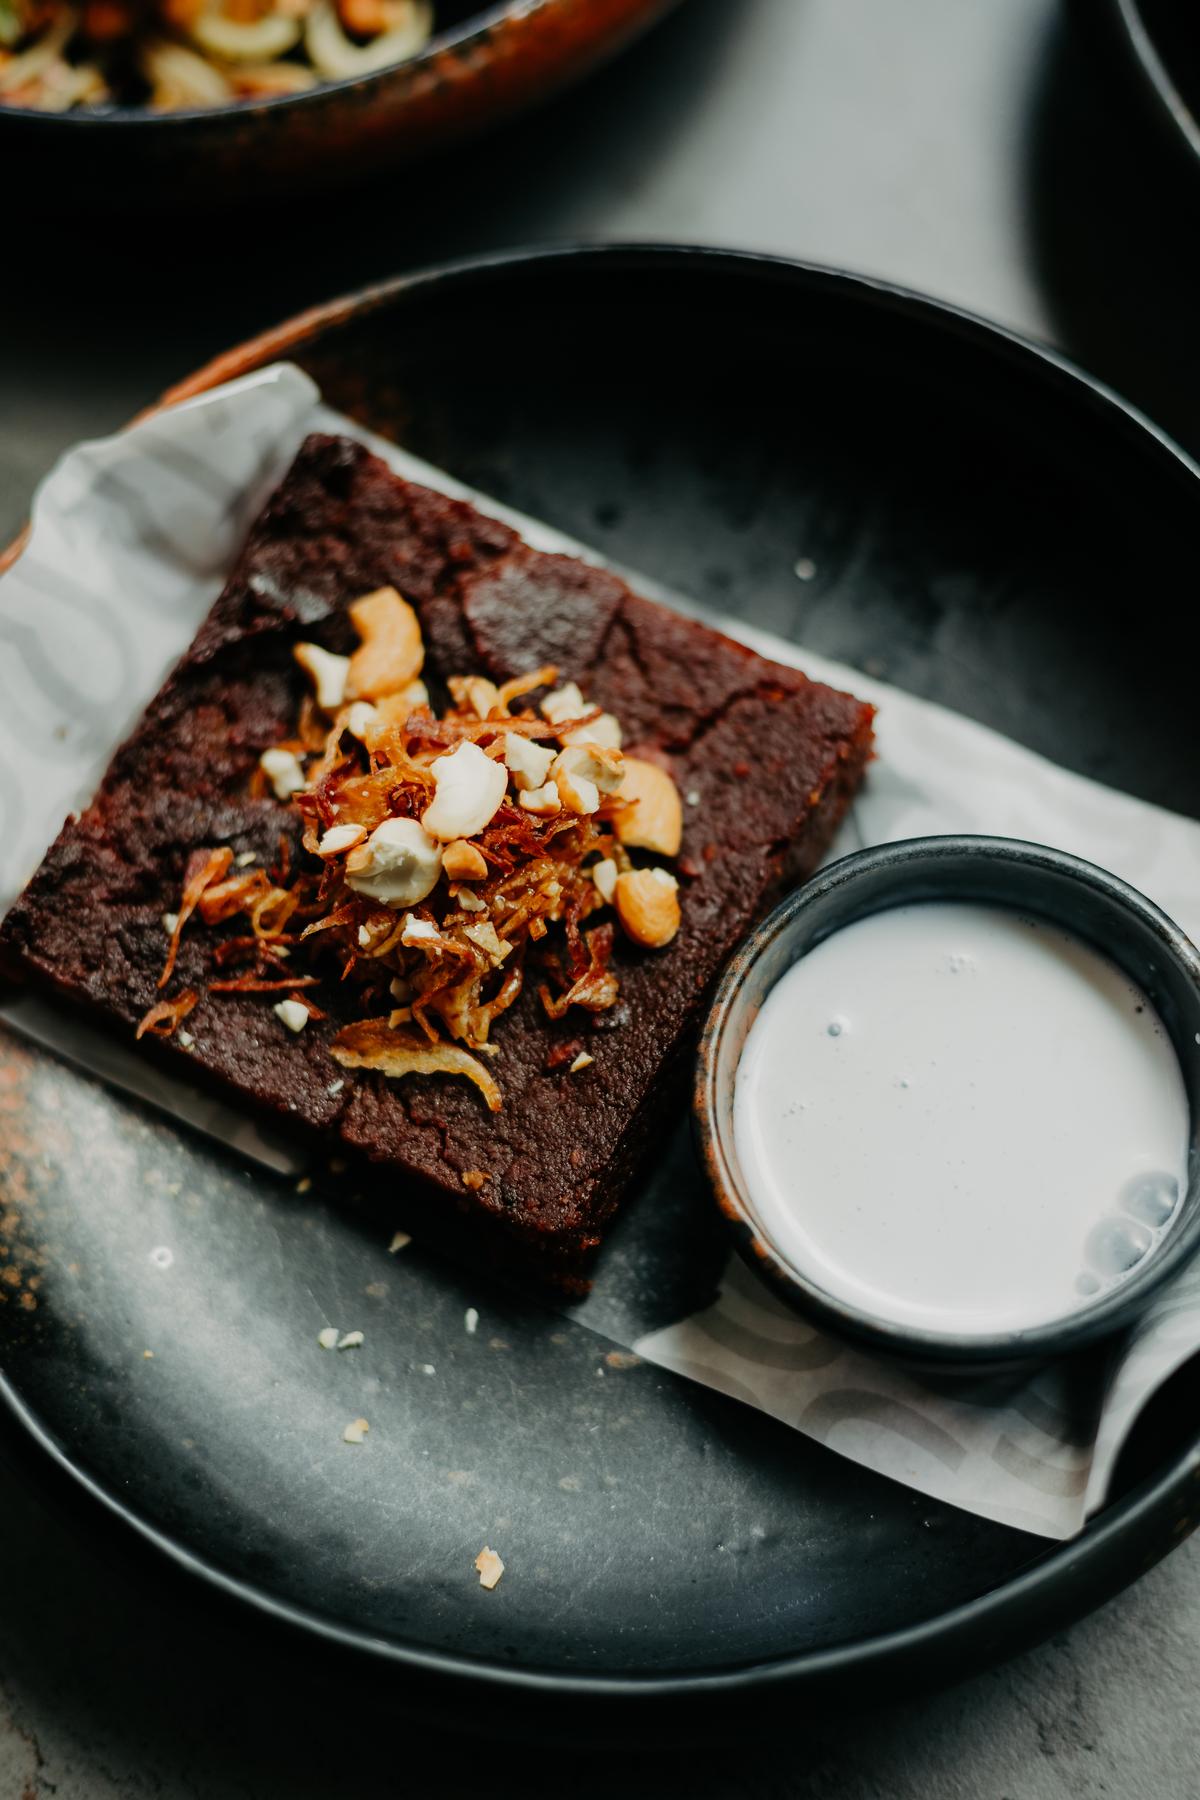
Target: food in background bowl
[
  {"x": 176, "y": 55},
  {"x": 212, "y": 131}
]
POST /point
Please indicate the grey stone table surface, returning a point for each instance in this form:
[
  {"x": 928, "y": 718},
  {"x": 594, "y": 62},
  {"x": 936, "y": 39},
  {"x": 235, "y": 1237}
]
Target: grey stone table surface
[{"x": 973, "y": 148}]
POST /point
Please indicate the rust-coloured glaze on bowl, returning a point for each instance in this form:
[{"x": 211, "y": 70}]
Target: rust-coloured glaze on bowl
[{"x": 493, "y": 65}]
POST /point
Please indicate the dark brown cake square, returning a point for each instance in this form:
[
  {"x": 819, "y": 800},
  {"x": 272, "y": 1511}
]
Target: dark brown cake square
[{"x": 768, "y": 761}]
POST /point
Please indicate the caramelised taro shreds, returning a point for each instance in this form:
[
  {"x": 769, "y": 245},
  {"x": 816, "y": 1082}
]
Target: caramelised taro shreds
[{"x": 449, "y": 859}]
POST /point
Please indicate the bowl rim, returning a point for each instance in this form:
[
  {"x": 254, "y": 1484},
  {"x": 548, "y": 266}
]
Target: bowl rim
[
  {"x": 290, "y": 335},
  {"x": 1109, "y": 1312},
  {"x": 453, "y": 37},
  {"x": 1157, "y": 81}
]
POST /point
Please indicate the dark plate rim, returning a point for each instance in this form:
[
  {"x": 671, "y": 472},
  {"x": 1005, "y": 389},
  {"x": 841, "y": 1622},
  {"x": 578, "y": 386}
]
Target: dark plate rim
[
  {"x": 1069, "y": 1579},
  {"x": 1156, "y": 78},
  {"x": 455, "y": 37}
]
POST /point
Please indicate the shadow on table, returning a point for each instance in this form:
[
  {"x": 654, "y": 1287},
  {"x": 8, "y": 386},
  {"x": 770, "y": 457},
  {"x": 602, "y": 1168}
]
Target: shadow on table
[{"x": 1112, "y": 217}]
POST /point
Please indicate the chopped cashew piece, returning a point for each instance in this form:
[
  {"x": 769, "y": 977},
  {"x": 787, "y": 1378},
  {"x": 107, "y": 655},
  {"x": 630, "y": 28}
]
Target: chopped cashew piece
[
  {"x": 355, "y": 1431},
  {"x": 391, "y": 653},
  {"x": 470, "y": 787},
  {"x": 398, "y": 865},
  {"x": 656, "y": 822},
  {"x": 418, "y": 931},
  {"x": 350, "y": 1341},
  {"x": 362, "y": 719},
  {"x": 326, "y": 672},
  {"x": 604, "y": 874},
  {"x": 577, "y": 793},
  {"x": 339, "y": 838},
  {"x": 475, "y": 691},
  {"x": 486, "y": 938},
  {"x": 328, "y": 1338},
  {"x": 583, "y": 772},
  {"x": 282, "y": 769},
  {"x": 292, "y": 1013},
  {"x": 604, "y": 731},
  {"x": 490, "y": 1568},
  {"x": 582, "y": 1061},
  {"x": 463, "y": 862},
  {"x": 648, "y": 906},
  {"x": 597, "y": 762},
  {"x": 565, "y": 702},
  {"x": 529, "y": 763},
  {"x": 543, "y": 800}
]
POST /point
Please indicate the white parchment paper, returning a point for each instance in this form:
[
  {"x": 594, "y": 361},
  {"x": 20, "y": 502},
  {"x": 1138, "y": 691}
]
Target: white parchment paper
[{"x": 131, "y": 539}]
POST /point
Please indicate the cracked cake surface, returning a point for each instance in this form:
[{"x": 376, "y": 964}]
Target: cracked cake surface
[{"x": 767, "y": 762}]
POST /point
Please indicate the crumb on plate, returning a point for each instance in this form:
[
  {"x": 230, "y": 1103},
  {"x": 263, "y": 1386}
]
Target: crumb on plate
[{"x": 490, "y": 1568}]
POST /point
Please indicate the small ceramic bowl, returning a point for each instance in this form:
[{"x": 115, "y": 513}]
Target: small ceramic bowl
[{"x": 1118, "y": 921}]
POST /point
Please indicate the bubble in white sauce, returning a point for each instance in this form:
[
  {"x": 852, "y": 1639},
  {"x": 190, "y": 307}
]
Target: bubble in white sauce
[
  {"x": 1114, "y": 1246},
  {"x": 1151, "y": 1198}
]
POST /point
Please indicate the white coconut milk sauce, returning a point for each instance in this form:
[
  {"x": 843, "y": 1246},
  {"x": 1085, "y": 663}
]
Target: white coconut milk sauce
[{"x": 960, "y": 1119}]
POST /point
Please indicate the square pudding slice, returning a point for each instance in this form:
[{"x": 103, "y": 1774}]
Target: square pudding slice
[{"x": 765, "y": 761}]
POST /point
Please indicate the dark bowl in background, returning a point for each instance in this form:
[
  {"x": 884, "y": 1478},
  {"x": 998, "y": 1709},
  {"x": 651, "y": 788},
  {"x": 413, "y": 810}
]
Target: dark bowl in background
[
  {"x": 1063, "y": 890},
  {"x": 1157, "y": 45},
  {"x": 485, "y": 64}
]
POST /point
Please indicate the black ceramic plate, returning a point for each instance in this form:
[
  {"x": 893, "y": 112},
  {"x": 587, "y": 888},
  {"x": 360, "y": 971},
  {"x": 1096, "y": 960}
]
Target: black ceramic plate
[
  {"x": 1159, "y": 42},
  {"x": 988, "y": 528}
]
